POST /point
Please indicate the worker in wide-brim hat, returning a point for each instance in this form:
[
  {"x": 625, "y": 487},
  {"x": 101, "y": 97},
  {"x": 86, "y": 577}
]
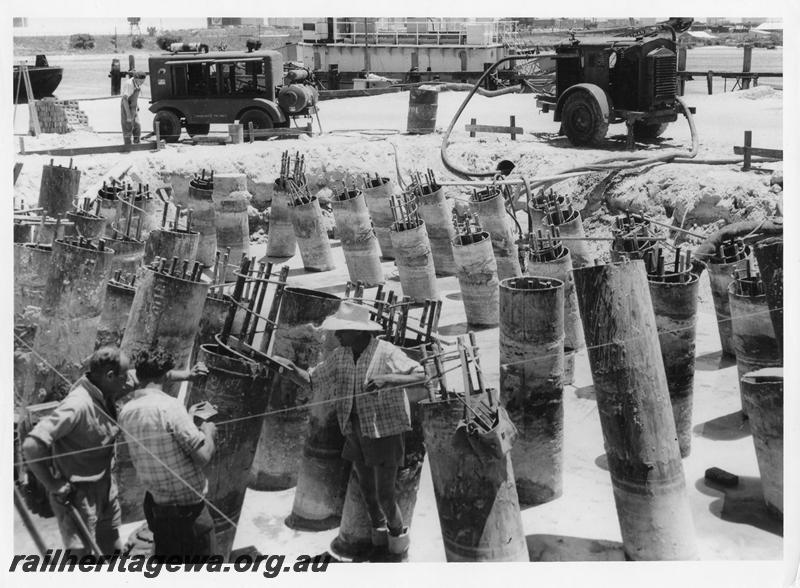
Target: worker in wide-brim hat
[
  {"x": 365, "y": 378},
  {"x": 129, "y": 102}
]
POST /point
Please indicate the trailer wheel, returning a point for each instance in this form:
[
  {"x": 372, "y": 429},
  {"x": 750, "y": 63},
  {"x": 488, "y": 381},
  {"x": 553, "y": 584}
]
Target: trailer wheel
[
  {"x": 260, "y": 119},
  {"x": 648, "y": 131},
  {"x": 582, "y": 119},
  {"x": 197, "y": 129},
  {"x": 169, "y": 125}
]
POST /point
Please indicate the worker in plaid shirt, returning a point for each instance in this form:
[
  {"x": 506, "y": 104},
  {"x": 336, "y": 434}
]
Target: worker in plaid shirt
[
  {"x": 168, "y": 452},
  {"x": 363, "y": 377}
]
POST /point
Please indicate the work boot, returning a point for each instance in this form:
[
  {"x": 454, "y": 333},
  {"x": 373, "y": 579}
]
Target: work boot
[
  {"x": 380, "y": 541},
  {"x": 398, "y": 546}
]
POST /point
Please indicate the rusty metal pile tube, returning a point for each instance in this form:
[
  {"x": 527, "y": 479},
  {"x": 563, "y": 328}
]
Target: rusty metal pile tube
[
  {"x": 312, "y": 237},
  {"x": 754, "y": 341},
  {"x": 572, "y": 226},
  {"x": 494, "y": 219},
  {"x": 769, "y": 254},
  {"x": 116, "y": 309},
  {"x": 128, "y": 255},
  {"x": 635, "y": 414},
  {"x": 561, "y": 269},
  {"x": 377, "y": 197},
  {"x": 359, "y": 243},
  {"x": 414, "y": 260},
  {"x": 58, "y": 187},
  {"x": 171, "y": 243},
  {"x": 204, "y": 221},
  {"x": 721, "y": 275},
  {"x": 71, "y": 307},
  {"x": 231, "y": 200},
  {"x": 31, "y": 267},
  {"x": 762, "y": 393},
  {"x": 238, "y": 391},
  {"x": 436, "y": 211},
  {"x": 531, "y": 382},
  {"x": 215, "y": 312},
  {"x": 675, "y": 308},
  {"x": 322, "y": 477},
  {"x": 166, "y": 311},
  {"x": 281, "y": 242},
  {"x": 88, "y": 225},
  {"x": 298, "y": 337},
  {"x": 477, "y": 276},
  {"x": 476, "y": 498},
  {"x": 355, "y": 532}
]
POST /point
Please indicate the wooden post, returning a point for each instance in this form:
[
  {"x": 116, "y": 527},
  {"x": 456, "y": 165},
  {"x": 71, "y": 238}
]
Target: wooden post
[
  {"x": 35, "y": 129},
  {"x": 513, "y": 120},
  {"x": 710, "y": 81},
  {"x": 251, "y": 132},
  {"x": 746, "y": 62},
  {"x": 473, "y": 122},
  {"x": 633, "y": 402},
  {"x": 22, "y": 145},
  {"x": 748, "y": 143},
  {"x": 158, "y": 135},
  {"x": 682, "y": 57}
]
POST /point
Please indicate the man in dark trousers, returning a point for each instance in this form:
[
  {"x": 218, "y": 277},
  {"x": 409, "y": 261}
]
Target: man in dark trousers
[
  {"x": 168, "y": 452},
  {"x": 129, "y": 103},
  {"x": 70, "y": 453},
  {"x": 365, "y": 377}
]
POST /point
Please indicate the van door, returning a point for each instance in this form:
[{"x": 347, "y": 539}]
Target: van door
[{"x": 179, "y": 80}]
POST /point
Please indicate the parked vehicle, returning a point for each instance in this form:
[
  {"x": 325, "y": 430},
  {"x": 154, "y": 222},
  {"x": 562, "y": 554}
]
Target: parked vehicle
[
  {"x": 600, "y": 81},
  {"x": 196, "y": 89}
]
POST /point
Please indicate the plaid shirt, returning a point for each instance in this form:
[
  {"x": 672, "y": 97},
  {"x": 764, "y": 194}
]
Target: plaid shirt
[
  {"x": 161, "y": 424},
  {"x": 380, "y": 413}
]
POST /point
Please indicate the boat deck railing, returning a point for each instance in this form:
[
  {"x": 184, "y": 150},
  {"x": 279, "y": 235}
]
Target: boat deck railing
[{"x": 429, "y": 33}]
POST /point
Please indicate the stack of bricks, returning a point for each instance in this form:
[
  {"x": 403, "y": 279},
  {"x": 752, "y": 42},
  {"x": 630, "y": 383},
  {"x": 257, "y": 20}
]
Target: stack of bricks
[{"x": 60, "y": 116}]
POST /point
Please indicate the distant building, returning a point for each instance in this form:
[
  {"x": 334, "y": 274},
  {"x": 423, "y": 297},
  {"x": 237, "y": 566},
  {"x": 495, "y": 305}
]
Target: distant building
[
  {"x": 20, "y": 21},
  {"x": 216, "y": 22}
]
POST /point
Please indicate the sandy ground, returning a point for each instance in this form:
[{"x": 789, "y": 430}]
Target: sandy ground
[{"x": 730, "y": 525}]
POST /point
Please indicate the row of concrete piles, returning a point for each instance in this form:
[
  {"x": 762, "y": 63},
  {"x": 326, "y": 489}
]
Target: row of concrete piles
[
  {"x": 641, "y": 426},
  {"x": 79, "y": 293}
]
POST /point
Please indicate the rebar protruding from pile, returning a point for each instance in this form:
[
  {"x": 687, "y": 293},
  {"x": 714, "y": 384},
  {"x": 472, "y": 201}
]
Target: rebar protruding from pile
[
  {"x": 292, "y": 170},
  {"x": 658, "y": 269},
  {"x": 172, "y": 268},
  {"x": 545, "y": 246},
  {"x": 404, "y": 211},
  {"x": 202, "y": 182},
  {"x": 423, "y": 183}
]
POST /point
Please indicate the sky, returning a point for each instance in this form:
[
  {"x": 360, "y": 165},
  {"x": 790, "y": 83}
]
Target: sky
[{"x": 102, "y": 26}]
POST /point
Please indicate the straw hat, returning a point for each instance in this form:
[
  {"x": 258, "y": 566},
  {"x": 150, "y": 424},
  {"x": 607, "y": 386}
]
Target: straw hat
[{"x": 351, "y": 317}]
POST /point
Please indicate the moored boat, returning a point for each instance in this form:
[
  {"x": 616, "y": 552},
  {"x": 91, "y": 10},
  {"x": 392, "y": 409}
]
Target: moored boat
[{"x": 45, "y": 79}]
